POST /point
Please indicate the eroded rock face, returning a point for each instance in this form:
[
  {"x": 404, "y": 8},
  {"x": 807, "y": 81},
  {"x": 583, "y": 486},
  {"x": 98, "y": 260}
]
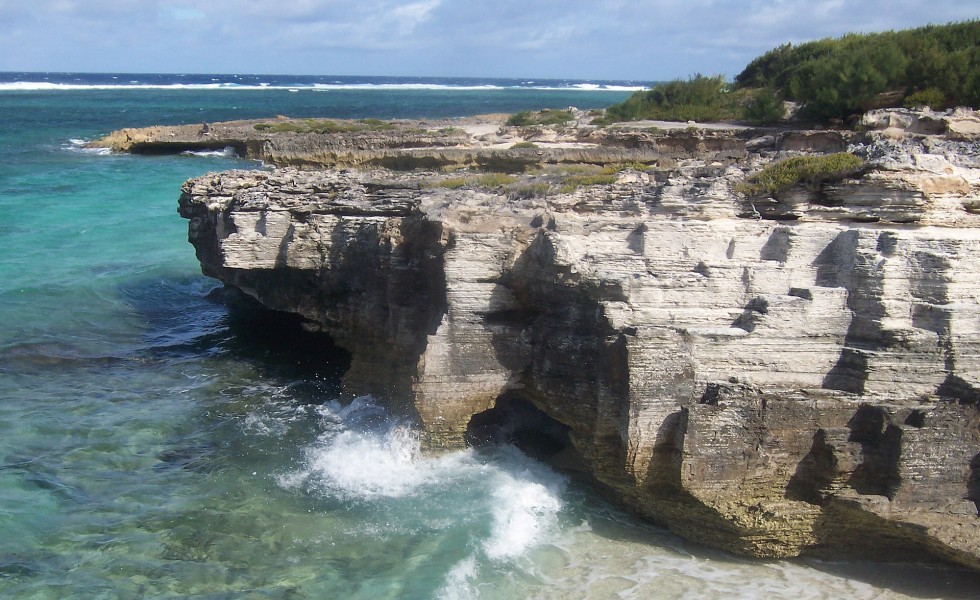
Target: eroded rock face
[{"x": 770, "y": 376}]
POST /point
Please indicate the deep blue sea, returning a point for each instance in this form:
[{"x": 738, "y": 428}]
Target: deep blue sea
[{"x": 159, "y": 438}]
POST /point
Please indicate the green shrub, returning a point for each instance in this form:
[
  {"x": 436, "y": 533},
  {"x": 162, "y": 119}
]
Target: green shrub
[
  {"x": 932, "y": 97},
  {"x": 572, "y": 177},
  {"x": 837, "y": 78},
  {"x": 765, "y": 108},
  {"x": 524, "y": 145},
  {"x": 520, "y": 119},
  {"x": 812, "y": 170},
  {"x": 699, "y": 98},
  {"x": 548, "y": 116}
]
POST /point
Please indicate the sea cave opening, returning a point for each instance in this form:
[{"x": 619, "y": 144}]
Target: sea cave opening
[
  {"x": 515, "y": 420},
  {"x": 283, "y": 346}
]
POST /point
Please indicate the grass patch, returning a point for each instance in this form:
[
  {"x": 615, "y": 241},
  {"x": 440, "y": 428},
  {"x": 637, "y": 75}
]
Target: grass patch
[
  {"x": 323, "y": 126},
  {"x": 524, "y": 145},
  {"x": 573, "y": 182},
  {"x": 453, "y": 183},
  {"x": 377, "y": 124},
  {"x": 494, "y": 180},
  {"x": 576, "y": 176},
  {"x": 535, "y": 189},
  {"x": 810, "y": 170},
  {"x": 487, "y": 180},
  {"x": 548, "y": 116}
]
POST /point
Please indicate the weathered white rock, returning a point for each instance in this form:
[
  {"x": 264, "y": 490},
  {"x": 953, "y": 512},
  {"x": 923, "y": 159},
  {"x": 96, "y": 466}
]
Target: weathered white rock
[{"x": 770, "y": 376}]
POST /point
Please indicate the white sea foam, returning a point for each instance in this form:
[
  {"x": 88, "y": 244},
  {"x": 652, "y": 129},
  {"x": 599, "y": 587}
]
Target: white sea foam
[
  {"x": 136, "y": 85},
  {"x": 33, "y": 86},
  {"x": 77, "y": 145},
  {"x": 365, "y": 456},
  {"x": 459, "y": 582},
  {"x": 526, "y": 501},
  {"x": 226, "y": 152},
  {"x": 608, "y": 88}
]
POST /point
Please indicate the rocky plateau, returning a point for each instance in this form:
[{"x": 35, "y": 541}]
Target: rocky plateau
[{"x": 771, "y": 374}]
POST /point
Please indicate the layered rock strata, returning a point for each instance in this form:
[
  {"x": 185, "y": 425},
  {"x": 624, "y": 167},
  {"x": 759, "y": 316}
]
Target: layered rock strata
[{"x": 769, "y": 375}]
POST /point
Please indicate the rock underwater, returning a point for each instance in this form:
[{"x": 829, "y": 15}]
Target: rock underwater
[{"x": 771, "y": 375}]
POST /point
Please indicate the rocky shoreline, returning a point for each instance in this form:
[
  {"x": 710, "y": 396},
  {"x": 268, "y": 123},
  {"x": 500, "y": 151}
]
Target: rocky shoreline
[{"x": 772, "y": 374}]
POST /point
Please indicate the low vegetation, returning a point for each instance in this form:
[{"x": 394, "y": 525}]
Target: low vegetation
[
  {"x": 700, "y": 98},
  {"x": 548, "y": 116},
  {"x": 810, "y": 170},
  {"x": 831, "y": 79},
  {"x": 573, "y": 177},
  {"x": 836, "y": 78},
  {"x": 323, "y": 126},
  {"x": 547, "y": 180}
]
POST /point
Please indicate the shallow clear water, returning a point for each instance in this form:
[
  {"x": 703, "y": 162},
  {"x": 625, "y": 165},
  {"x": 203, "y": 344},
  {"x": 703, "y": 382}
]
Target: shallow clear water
[{"x": 163, "y": 439}]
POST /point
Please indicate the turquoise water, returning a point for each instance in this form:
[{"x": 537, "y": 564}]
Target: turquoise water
[{"x": 161, "y": 438}]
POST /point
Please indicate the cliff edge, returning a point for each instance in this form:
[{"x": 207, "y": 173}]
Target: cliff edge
[{"x": 770, "y": 373}]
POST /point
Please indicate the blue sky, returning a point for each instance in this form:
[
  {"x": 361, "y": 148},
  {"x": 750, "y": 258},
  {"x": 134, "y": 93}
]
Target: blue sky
[{"x": 612, "y": 39}]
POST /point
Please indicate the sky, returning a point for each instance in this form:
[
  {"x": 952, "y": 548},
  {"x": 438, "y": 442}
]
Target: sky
[{"x": 644, "y": 40}]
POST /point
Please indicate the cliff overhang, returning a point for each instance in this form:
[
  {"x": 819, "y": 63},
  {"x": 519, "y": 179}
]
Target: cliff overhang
[{"x": 770, "y": 375}]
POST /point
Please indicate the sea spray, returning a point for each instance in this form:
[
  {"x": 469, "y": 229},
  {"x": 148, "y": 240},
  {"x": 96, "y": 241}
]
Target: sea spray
[{"x": 508, "y": 502}]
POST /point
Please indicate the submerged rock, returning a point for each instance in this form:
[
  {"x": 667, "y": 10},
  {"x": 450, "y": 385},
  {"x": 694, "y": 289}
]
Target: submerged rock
[{"x": 769, "y": 375}]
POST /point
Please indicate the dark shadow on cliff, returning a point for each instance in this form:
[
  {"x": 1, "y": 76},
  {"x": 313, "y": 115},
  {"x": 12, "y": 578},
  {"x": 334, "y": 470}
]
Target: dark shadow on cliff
[
  {"x": 881, "y": 444},
  {"x": 549, "y": 329},
  {"x": 959, "y": 389},
  {"x": 916, "y": 580},
  {"x": 835, "y": 268},
  {"x": 814, "y": 473},
  {"x": 514, "y": 420},
  {"x": 895, "y": 558}
]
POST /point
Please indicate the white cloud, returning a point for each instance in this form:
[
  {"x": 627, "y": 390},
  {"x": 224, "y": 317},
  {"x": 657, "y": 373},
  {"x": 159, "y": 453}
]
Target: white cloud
[{"x": 641, "y": 39}]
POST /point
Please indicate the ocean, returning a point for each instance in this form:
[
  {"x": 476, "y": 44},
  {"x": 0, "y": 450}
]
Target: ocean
[{"x": 163, "y": 438}]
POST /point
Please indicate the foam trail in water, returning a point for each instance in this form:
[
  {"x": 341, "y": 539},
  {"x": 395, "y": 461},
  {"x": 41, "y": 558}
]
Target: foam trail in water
[
  {"x": 22, "y": 86},
  {"x": 526, "y": 500},
  {"x": 364, "y": 454},
  {"x": 366, "y": 457},
  {"x": 77, "y": 145},
  {"x": 226, "y": 152}
]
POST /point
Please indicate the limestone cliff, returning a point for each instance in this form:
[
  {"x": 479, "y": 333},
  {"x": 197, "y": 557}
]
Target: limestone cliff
[{"x": 769, "y": 375}]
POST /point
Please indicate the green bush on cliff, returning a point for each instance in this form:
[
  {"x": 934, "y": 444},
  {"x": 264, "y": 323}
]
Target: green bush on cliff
[
  {"x": 699, "y": 98},
  {"x": 765, "y": 108},
  {"x": 836, "y": 78},
  {"x": 931, "y": 97},
  {"x": 812, "y": 170},
  {"x": 937, "y": 65}
]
